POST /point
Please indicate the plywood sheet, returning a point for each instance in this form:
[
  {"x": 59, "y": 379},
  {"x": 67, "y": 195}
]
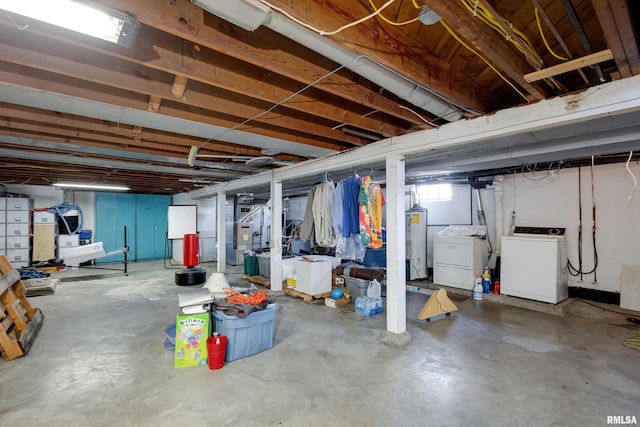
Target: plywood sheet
[{"x": 44, "y": 238}]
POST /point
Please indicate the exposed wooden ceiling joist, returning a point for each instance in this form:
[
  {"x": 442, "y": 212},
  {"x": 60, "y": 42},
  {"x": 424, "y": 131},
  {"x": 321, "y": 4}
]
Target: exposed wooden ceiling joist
[{"x": 191, "y": 79}]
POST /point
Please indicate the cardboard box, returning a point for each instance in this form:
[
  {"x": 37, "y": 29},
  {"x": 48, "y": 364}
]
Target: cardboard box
[
  {"x": 336, "y": 302},
  {"x": 192, "y": 331},
  {"x": 35, "y": 283},
  {"x": 44, "y": 242}
]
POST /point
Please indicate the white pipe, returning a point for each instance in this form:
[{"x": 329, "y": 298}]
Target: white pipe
[{"x": 499, "y": 196}]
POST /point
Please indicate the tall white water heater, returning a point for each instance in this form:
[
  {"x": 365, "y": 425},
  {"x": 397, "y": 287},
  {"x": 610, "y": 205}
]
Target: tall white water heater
[{"x": 416, "y": 243}]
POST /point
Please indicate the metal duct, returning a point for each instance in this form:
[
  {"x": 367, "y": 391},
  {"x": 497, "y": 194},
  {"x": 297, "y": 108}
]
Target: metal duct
[{"x": 231, "y": 10}]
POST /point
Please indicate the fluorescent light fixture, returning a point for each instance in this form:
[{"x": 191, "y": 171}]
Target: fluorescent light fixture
[
  {"x": 427, "y": 16},
  {"x": 91, "y": 186},
  {"x": 247, "y": 14},
  {"x": 86, "y": 18}
]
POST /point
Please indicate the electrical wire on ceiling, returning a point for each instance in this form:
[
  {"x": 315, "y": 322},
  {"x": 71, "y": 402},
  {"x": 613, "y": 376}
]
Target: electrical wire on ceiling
[
  {"x": 544, "y": 39},
  {"x": 378, "y": 11},
  {"x": 419, "y": 116},
  {"x": 390, "y": 22},
  {"x": 550, "y": 171},
  {"x": 322, "y": 32},
  {"x": 274, "y": 106},
  {"x": 512, "y": 35},
  {"x": 455, "y": 36},
  {"x": 506, "y": 30},
  {"x": 16, "y": 183}
]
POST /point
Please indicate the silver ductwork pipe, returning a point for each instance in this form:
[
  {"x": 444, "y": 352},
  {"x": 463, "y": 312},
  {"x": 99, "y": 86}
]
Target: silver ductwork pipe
[
  {"x": 499, "y": 196},
  {"x": 250, "y": 14}
]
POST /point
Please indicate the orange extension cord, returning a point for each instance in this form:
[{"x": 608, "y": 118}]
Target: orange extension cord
[{"x": 254, "y": 299}]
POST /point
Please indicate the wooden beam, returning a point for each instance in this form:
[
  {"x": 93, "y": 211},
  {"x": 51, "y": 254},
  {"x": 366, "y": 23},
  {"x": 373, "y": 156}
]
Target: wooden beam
[
  {"x": 154, "y": 103},
  {"x": 616, "y": 23},
  {"x": 489, "y": 44},
  {"x": 130, "y": 77},
  {"x": 558, "y": 37},
  {"x": 179, "y": 86},
  {"x": 575, "y": 64},
  {"x": 387, "y": 44},
  {"x": 37, "y": 79},
  {"x": 277, "y": 54},
  {"x": 137, "y": 133},
  {"x": 163, "y": 52},
  {"x": 152, "y": 140}
]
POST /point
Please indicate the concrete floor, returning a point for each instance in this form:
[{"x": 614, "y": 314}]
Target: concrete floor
[{"x": 99, "y": 360}]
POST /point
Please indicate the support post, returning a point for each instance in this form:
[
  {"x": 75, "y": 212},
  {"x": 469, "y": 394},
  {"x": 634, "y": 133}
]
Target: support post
[
  {"x": 276, "y": 235},
  {"x": 396, "y": 252},
  {"x": 221, "y": 232}
]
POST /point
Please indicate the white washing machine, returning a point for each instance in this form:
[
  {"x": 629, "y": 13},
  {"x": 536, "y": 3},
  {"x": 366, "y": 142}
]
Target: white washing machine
[{"x": 533, "y": 264}]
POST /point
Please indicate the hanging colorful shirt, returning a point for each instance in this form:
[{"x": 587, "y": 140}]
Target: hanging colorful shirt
[{"x": 371, "y": 201}]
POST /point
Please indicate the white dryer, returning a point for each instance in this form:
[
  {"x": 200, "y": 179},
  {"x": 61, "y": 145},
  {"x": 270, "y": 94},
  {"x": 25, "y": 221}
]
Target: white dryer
[{"x": 533, "y": 264}]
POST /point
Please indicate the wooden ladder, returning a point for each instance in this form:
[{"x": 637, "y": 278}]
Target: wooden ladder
[{"x": 19, "y": 322}]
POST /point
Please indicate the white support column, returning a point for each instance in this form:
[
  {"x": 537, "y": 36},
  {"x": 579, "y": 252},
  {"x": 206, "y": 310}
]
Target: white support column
[
  {"x": 221, "y": 231},
  {"x": 396, "y": 258},
  {"x": 276, "y": 235}
]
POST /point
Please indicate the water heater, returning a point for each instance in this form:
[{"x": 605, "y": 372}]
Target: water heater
[{"x": 416, "y": 243}]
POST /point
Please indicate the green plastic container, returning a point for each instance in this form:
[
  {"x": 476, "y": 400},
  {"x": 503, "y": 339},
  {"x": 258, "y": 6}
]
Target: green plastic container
[{"x": 250, "y": 265}]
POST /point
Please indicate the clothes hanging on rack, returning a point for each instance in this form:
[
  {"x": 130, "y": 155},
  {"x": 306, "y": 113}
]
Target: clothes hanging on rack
[
  {"x": 371, "y": 200},
  {"x": 350, "y": 204},
  {"x": 307, "y": 229},
  {"x": 323, "y": 214},
  {"x": 338, "y": 210},
  {"x": 349, "y": 243}
]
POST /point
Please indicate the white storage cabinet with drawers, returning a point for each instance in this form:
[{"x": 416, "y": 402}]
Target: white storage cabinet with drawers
[{"x": 14, "y": 230}]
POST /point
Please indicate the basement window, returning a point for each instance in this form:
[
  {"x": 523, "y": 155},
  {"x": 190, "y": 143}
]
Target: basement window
[{"x": 434, "y": 193}]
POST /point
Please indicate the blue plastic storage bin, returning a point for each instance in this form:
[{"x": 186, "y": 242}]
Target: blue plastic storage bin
[
  {"x": 297, "y": 246},
  {"x": 246, "y": 336}
]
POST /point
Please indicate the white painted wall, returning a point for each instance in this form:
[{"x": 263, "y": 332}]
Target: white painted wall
[
  {"x": 297, "y": 206},
  {"x": 553, "y": 202},
  {"x": 86, "y": 200}
]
